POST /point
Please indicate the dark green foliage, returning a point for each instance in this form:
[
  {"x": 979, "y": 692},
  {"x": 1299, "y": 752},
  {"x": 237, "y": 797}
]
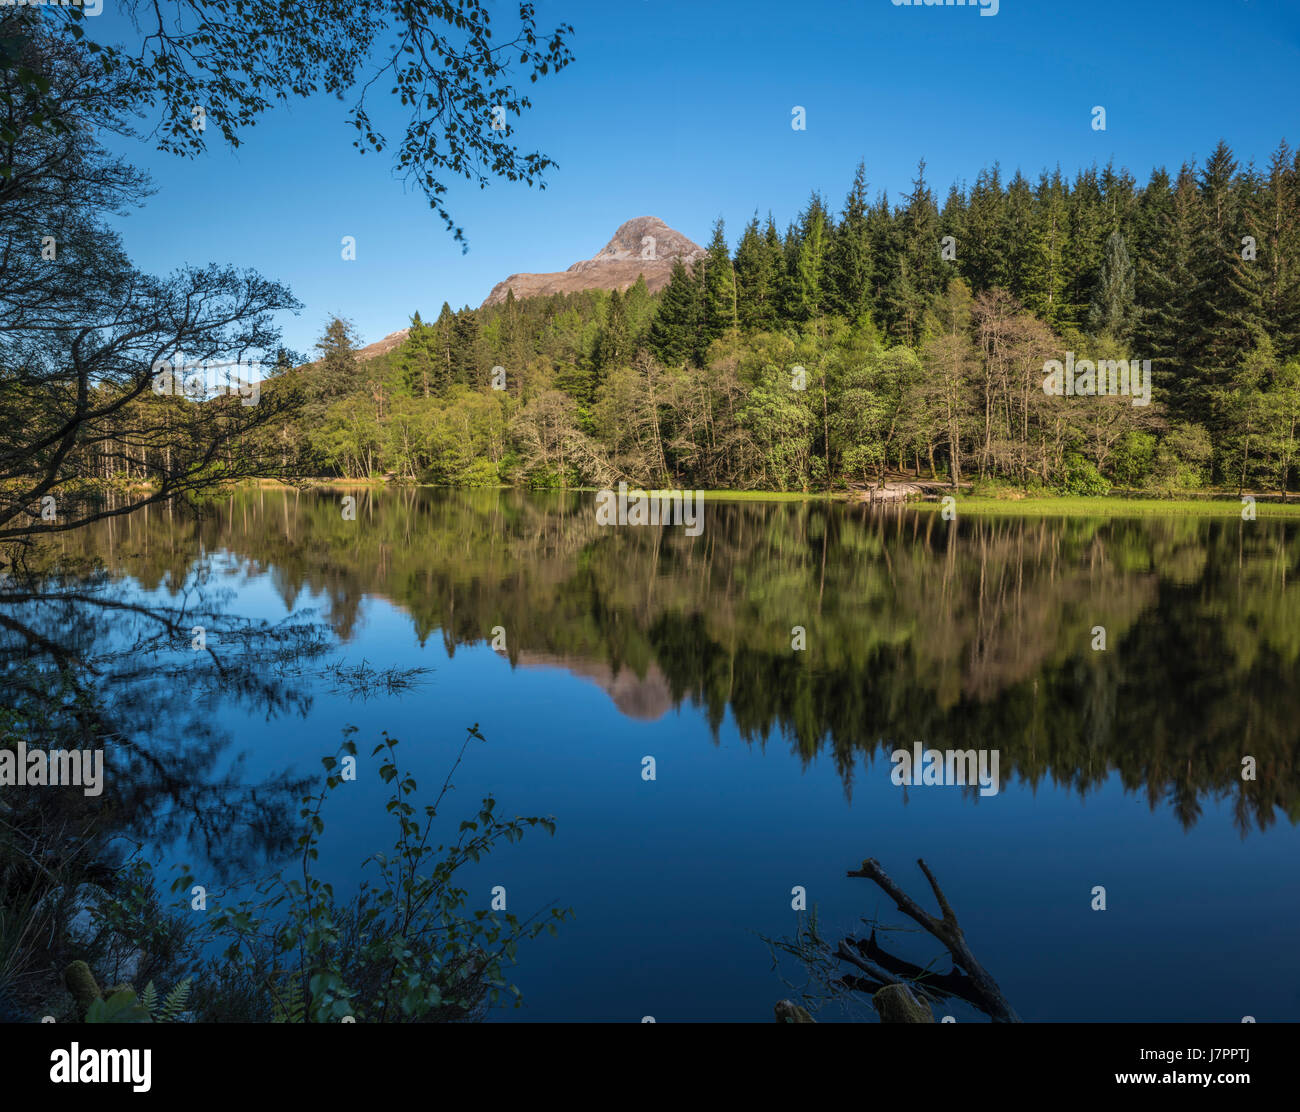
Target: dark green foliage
[
  {"x": 695, "y": 383},
  {"x": 759, "y": 268},
  {"x": 676, "y": 331},
  {"x": 808, "y": 282},
  {"x": 467, "y": 368},
  {"x": 850, "y": 265},
  {"x": 1112, "y": 310},
  {"x": 718, "y": 308}
]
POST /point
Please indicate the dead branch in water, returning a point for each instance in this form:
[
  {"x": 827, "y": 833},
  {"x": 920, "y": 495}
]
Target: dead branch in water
[
  {"x": 968, "y": 980},
  {"x": 900, "y": 991}
]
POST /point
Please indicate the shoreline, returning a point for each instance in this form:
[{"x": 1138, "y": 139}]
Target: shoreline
[{"x": 1211, "y": 504}]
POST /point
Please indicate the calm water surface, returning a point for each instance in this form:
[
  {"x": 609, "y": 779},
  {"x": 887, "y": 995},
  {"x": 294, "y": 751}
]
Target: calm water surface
[{"x": 1119, "y": 768}]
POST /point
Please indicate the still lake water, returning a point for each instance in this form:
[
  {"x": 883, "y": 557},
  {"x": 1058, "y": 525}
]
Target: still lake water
[{"x": 1119, "y": 768}]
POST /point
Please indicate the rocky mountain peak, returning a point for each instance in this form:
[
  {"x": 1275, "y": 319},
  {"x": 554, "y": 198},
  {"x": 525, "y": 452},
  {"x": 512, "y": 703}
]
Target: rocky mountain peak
[
  {"x": 641, "y": 247},
  {"x": 646, "y": 237}
]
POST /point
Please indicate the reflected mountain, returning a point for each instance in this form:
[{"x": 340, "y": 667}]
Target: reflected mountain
[
  {"x": 646, "y": 698},
  {"x": 975, "y": 634}
]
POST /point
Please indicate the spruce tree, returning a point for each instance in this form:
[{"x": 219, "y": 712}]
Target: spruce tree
[
  {"x": 982, "y": 255},
  {"x": 850, "y": 264},
  {"x": 1088, "y": 230},
  {"x": 1230, "y": 290},
  {"x": 465, "y": 350},
  {"x": 1168, "y": 330},
  {"x": 417, "y": 358},
  {"x": 1048, "y": 248},
  {"x": 674, "y": 334},
  {"x": 1113, "y": 308},
  {"x": 916, "y": 277},
  {"x": 808, "y": 285},
  {"x": 757, "y": 268},
  {"x": 1279, "y": 250},
  {"x": 718, "y": 290},
  {"x": 444, "y": 331}
]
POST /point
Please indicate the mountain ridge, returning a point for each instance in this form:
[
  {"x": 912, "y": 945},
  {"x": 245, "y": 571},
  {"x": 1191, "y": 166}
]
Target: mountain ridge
[{"x": 641, "y": 247}]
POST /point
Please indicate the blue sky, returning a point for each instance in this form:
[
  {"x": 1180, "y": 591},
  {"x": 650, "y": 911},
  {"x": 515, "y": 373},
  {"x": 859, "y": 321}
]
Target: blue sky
[{"x": 682, "y": 110}]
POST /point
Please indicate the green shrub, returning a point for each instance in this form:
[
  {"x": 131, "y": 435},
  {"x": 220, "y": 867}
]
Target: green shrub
[
  {"x": 402, "y": 950},
  {"x": 480, "y": 473},
  {"x": 1133, "y": 458},
  {"x": 1183, "y": 458},
  {"x": 1082, "y": 478}
]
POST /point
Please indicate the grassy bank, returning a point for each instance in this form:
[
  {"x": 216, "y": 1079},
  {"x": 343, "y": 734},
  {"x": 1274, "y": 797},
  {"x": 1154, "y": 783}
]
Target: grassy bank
[
  {"x": 1078, "y": 506},
  {"x": 1223, "y": 504}
]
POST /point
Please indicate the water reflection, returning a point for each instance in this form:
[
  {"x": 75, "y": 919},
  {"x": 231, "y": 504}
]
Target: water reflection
[
  {"x": 90, "y": 661},
  {"x": 976, "y": 634}
]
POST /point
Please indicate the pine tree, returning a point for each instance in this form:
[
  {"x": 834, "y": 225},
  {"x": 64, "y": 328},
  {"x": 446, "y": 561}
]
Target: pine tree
[
  {"x": 850, "y": 263},
  {"x": 1279, "y": 250},
  {"x": 718, "y": 290},
  {"x": 1154, "y": 204},
  {"x": 512, "y": 350},
  {"x": 465, "y": 350},
  {"x": 1048, "y": 248},
  {"x": 1248, "y": 281},
  {"x": 982, "y": 255},
  {"x": 952, "y": 222},
  {"x": 417, "y": 358},
  {"x": 444, "y": 344},
  {"x": 639, "y": 310},
  {"x": 1167, "y": 296},
  {"x": 336, "y": 370},
  {"x": 335, "y": 375},
  {"x": 1119, "y": 199},
  {"x": 1113, "y": 309},
  {"x": 1088, "y": 230},
  {"x": 1230, "y": 290},
  {"x": 758, "y": 271},
  {"x": 808, "y": 283},
  {"x": 674, "y": 334},
  {"x": 613, "y": 342},
  {"x": 883, "y": 235},
  {"x": 1018, "y": 215},
  {"x": 916, "y": 277}
]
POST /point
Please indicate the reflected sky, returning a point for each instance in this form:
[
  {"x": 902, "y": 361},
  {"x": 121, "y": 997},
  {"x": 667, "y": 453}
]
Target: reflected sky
[{"x": 1119, "y": 767}]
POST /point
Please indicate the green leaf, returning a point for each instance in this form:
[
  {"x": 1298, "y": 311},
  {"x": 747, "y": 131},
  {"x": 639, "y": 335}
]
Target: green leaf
[{"x": 122, "y": 1007}]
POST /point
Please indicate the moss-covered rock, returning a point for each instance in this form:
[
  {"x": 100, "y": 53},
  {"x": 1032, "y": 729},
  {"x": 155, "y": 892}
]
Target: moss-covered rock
[
  {"x": 787, "y": 1011},
  {"x": 898, "y": 1004},
  {"x": 81, "y": 983}
]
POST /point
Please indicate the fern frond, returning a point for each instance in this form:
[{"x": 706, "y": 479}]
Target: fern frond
[
  {"x": 149, "y": 998},
  {"x": 175, "y": 1002},
  {"x": 290, "y": 1007}
]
